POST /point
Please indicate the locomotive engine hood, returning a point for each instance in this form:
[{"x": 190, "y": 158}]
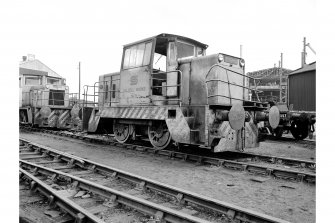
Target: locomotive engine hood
[{"x": 215, "y": 79}]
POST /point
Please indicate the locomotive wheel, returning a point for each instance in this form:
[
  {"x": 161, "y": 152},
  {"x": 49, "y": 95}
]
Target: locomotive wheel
[
  {"x": 299, "y": 130},
  {"x": 23, "y": 117},
  {"x": 159, "y": 135},
  {"x": 278, "y": 132},
  {"x": 122, "y": 132}
]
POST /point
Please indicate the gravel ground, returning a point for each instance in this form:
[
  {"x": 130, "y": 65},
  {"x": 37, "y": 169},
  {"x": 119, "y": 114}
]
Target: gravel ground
[
  {"x": 291, "y": 149},
  {"x": 290, "y": 201}
]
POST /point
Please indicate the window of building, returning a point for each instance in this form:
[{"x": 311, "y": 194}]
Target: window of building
[
  {"x": 19, "y": 81},
  {"x": 33, "y": 80},
  {"x": 113, "y": 90},
  {"x": 106, "y": 93},
  {"x": 137, "y": 56},
  {"x": 53, "y": 81}
]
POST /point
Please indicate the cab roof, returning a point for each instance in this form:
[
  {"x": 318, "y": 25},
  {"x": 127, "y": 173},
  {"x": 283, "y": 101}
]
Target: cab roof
[{"x": 171, "y": 36}]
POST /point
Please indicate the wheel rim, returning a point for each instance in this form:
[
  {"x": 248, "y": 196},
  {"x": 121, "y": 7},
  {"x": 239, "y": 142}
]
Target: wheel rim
[
  {"x": 22, "y": 117},
  {"x": 278, "y": 132},
  {"x": 159, "y": 136},
  {"x": 299, "y": 130},
  {"x": 121, "y": 132}
]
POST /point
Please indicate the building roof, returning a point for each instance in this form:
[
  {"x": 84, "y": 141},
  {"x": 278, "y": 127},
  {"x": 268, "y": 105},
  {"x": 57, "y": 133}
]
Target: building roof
[
  {"x": 32, "y": 72},
  {"x": 37, "y": 65},
  {"x": 308, "y": 67},
  {"x": 166, "y": 35}
]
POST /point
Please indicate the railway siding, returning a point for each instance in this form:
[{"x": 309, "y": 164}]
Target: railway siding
[
  {"x": 275, "y": 172},
  {"x": 182, "y": 195}
]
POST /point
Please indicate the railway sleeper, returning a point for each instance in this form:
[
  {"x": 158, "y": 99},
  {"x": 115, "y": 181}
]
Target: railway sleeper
[
  {"x": 288, "y": 176},
  {"x": 33, "y": 157},
  {"x": 214, "y": 162},
  {"x": 29, "y": 153},
  {"x": 310, "y": 179},
  {"x": 259, "y": 170},
  {"x": 141, "y": 148},
  {"x": 47, "y": 162},
  {"x": 235, "y": 166}
]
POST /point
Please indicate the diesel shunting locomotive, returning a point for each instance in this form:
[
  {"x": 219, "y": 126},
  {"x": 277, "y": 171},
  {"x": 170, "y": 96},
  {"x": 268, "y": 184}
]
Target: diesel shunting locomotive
[
  {"x": 45, "y": 100},
  {"x": 170, "y": 91}
]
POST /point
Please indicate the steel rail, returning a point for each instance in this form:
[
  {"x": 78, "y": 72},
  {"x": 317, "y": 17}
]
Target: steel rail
[
  {"x": 77, "y": 212},
  {"x": 181, "y": 195},
  {"x": 142, "y": 205},
  {"x": 230, "y": 164},
  {"x": 286, "y": 138},
  {"x": 278, "y": 159}
]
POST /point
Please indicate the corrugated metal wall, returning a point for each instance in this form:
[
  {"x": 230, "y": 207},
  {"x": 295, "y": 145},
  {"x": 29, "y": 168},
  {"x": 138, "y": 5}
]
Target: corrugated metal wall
[{"x": 302, "y": 91}]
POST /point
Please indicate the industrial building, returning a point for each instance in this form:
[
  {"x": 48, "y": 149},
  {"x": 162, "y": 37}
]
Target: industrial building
[
  {"x": 31, "y": 66},
  {"x": 302, "y": 88}
]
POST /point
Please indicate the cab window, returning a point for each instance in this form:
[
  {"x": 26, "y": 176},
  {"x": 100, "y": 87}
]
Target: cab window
[
  {"x": 137, "y": 55},
  {"x": 185, "y": 50},
  {"x": 33, "y": 80},
  {"x": 159, "y": 62},
  {"x": 53, "y": 81},
  {"x": 200, "y": 52}
]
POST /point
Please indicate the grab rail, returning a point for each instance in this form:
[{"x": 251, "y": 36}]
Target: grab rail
[
  {"x": 178, "y": 85},
  {"x": 96, "y": 93},
  {"x": 229, "y": 84}
]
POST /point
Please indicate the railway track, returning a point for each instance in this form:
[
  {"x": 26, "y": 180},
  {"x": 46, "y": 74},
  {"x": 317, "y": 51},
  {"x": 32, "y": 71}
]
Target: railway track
[
  {"x": 289, "y": 138},
  {"x": 276, "y": 159},
  {"x": 42, "y": 166},
  {"x": 254, "y": 168}
]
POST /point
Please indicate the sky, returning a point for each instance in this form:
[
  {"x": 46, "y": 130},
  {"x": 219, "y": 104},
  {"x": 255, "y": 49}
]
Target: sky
[{"x": 62, "y": 33}]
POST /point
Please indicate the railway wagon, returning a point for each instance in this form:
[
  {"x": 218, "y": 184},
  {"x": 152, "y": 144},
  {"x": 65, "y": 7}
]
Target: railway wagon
[
  {"x": 299, "y": 114},
  {"x": 44, "y": 101},
  {"x": 168, "y": 90}
]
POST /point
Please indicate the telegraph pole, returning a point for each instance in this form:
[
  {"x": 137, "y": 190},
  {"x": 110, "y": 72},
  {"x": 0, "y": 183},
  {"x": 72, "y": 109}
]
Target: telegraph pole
[
  {"x": 79, "y": 84},
  {"x": 303, "y": 54},
  {"x": 280, "y": 77},
  {"x": 240, "y": 51}
]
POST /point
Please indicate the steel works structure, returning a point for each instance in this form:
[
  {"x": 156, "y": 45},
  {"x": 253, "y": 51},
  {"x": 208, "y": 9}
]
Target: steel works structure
[{"x": 268, "y": 84}]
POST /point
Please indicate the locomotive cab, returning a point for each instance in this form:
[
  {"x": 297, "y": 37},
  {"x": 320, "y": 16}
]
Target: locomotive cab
[{"x": 149, "y": 70}]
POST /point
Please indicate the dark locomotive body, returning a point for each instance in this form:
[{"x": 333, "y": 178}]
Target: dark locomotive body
[{"x": 169, "y": 91}]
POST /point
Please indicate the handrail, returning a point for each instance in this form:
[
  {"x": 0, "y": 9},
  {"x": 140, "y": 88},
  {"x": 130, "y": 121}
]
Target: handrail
[
  {"x": 229, "y": 83},
  {"x": 211, "y": 80},
  {"x": 85, "y": 94},
  {"x": 226, "y": 68},
  {"x": 97, "y": 92},
  {"x": 178, "y": 85}
]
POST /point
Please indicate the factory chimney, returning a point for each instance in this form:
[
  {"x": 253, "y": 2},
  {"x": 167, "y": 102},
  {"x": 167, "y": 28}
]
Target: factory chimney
[{"x": 31, "y": 57}]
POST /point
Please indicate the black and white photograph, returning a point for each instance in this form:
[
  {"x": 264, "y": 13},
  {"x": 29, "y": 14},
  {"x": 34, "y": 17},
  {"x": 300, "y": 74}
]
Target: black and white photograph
[{"x": 166, "y": 111}]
